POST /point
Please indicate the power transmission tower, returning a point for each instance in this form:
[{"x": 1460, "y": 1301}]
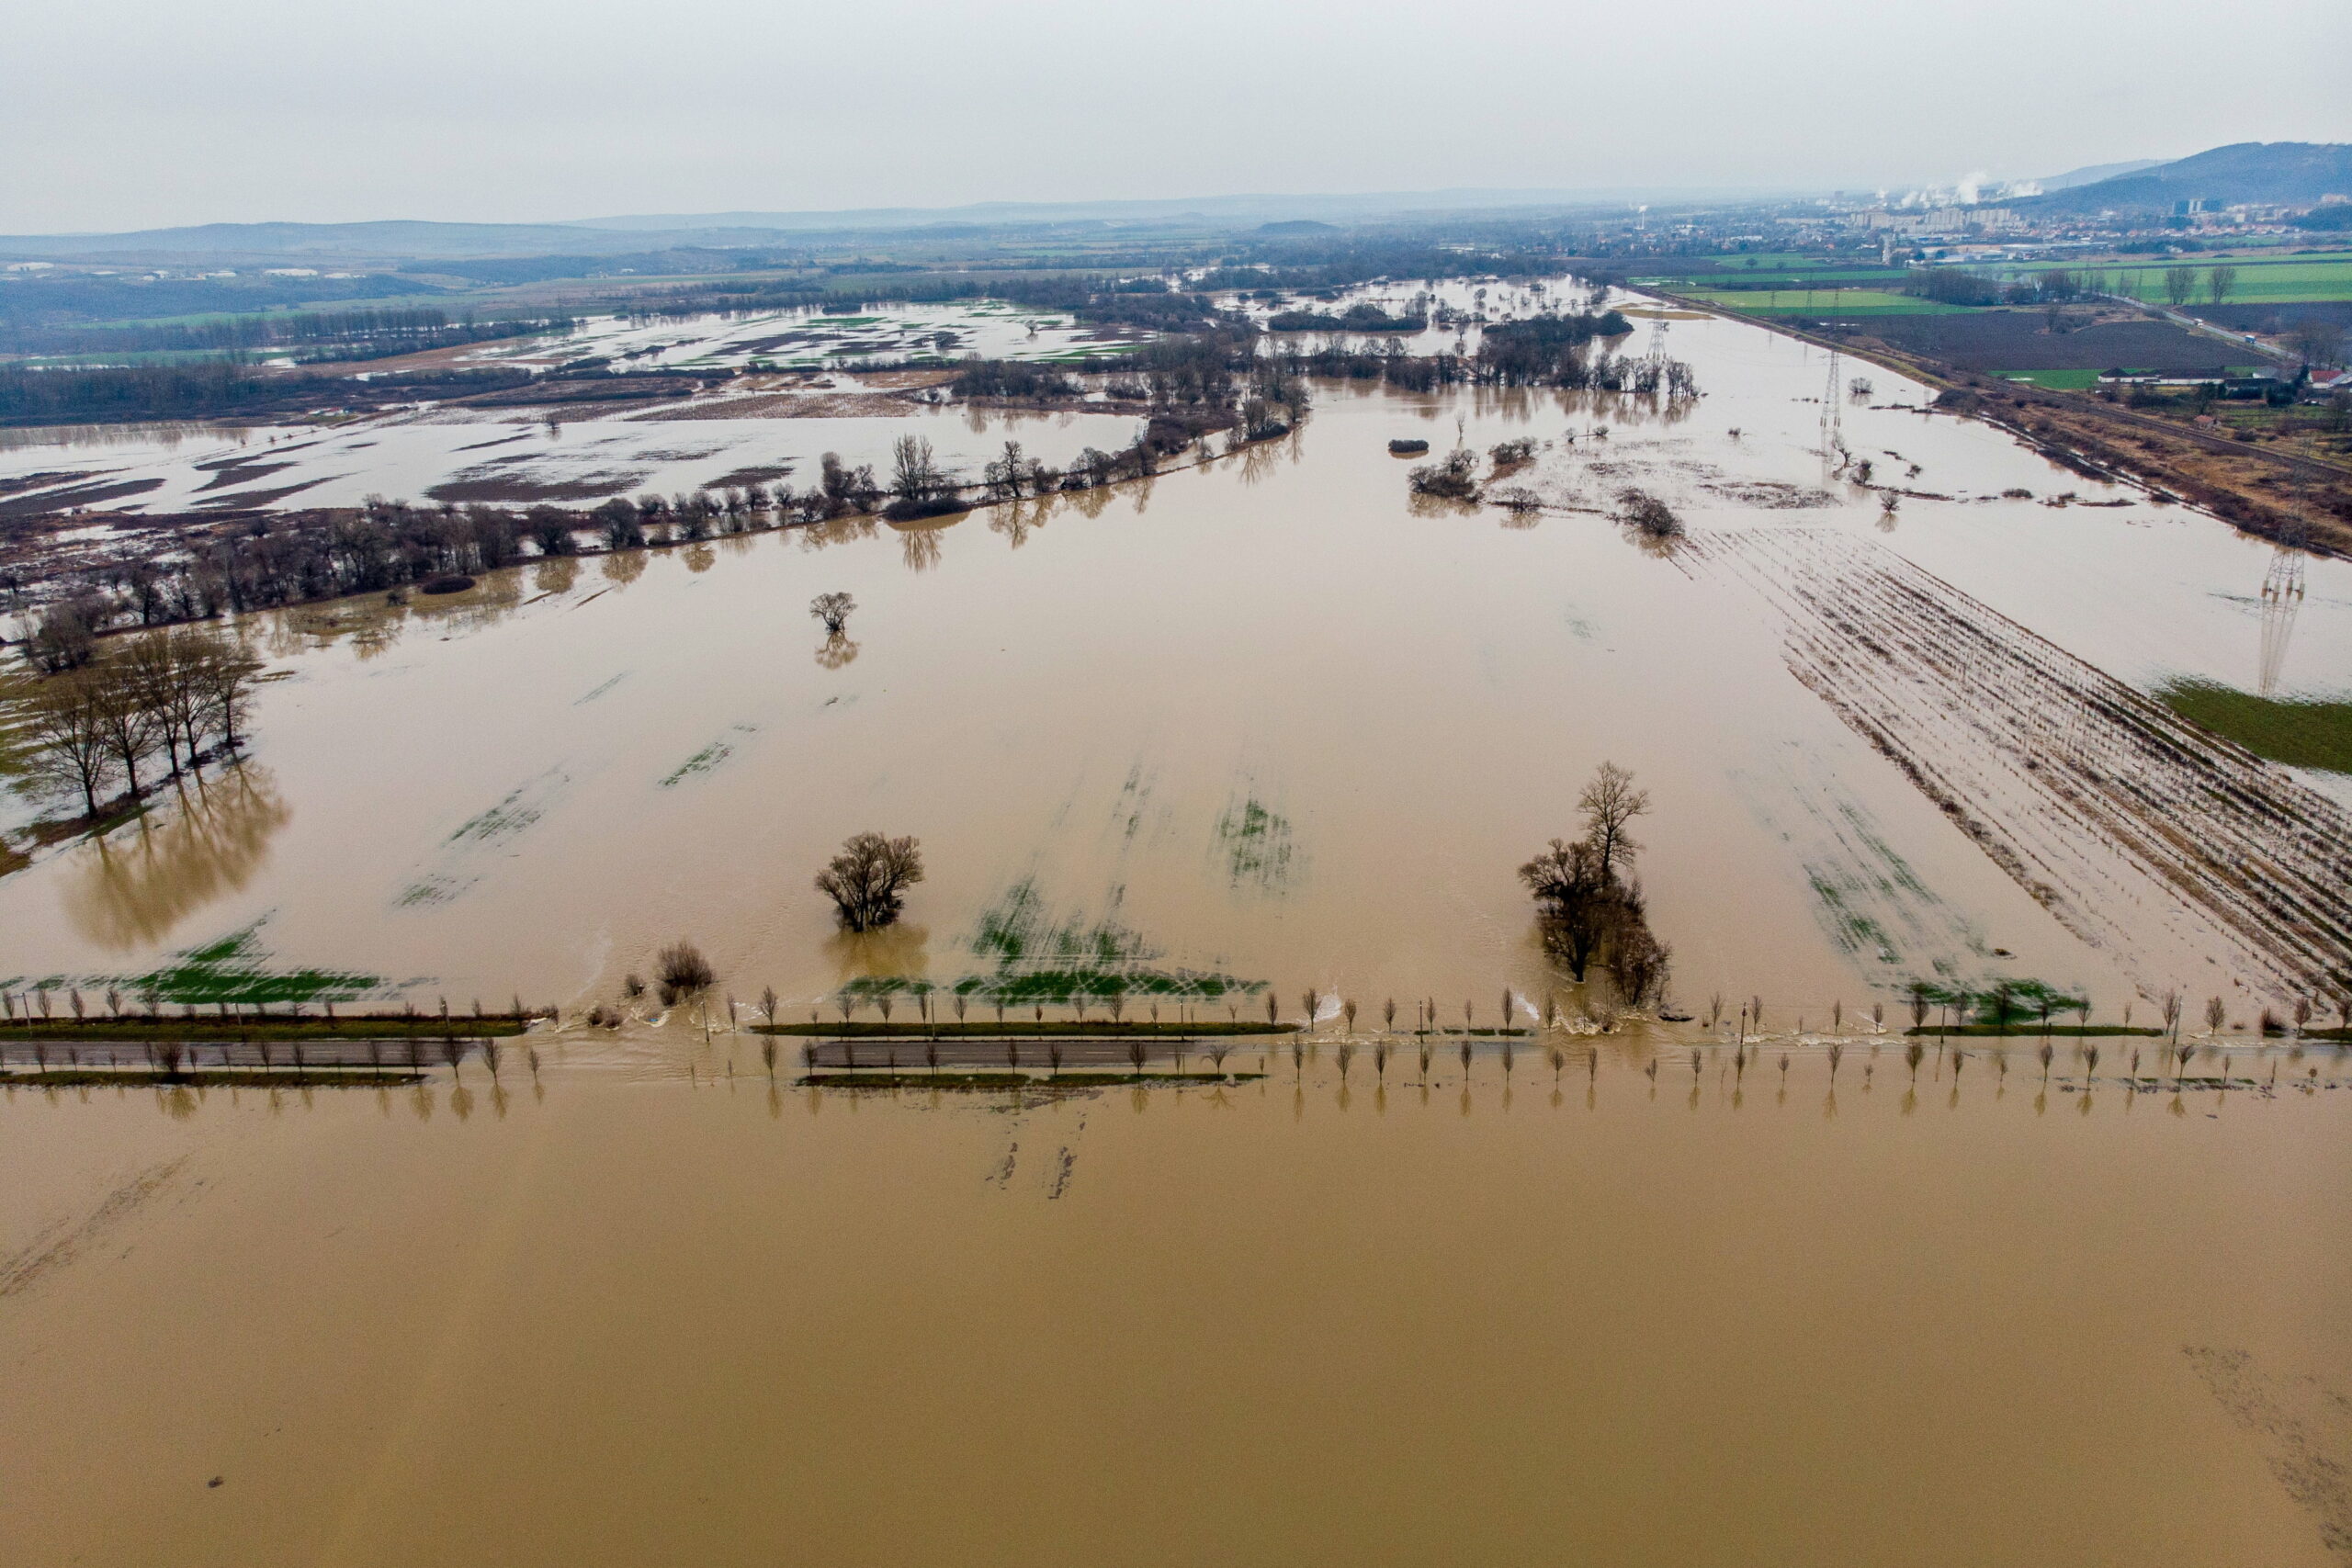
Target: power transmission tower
[{"x": 2282, "y": 595}]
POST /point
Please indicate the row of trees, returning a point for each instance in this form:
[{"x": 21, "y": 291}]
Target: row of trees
[
  {"x": 217, "y": 387},
  {"x": 180, "y": 695},
  {"x": 275, "y": 559},
  {"x": 2058, "y": 285}
]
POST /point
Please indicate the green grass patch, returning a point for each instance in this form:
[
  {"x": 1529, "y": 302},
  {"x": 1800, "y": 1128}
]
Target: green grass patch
[
  {"x": 235, "y": 970},
  {"x": 2031, "y": 1030},
  {"x": 1823, "y": 302},
  {"x": 2300, "y": 734},
  {"x": 2055, "y": 380}
]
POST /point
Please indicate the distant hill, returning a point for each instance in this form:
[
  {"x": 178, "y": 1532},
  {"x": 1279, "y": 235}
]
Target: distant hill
[
  {"x": 2093, "y": 173},
  {"x": 2285, "y": 172},
  {"x": 622, "y": 237}
]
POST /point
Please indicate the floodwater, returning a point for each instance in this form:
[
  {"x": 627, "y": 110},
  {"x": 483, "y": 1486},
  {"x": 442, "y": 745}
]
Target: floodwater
[
  {"x": 610, "y": 1319},
  {"x": 516, "y": 456},
  {"x": 1265, "y": 723}
]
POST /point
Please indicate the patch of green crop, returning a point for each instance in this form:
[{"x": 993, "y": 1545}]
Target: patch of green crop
[
  {"x": 705, "y": 760},
  {"x": 2055, "y": 380},
  {"x": 237, "y": 969},
  {"x": 2300, "y": 734},
  {"x": 1255, "y": 844},
  {"x": 1034, "y": 957}
]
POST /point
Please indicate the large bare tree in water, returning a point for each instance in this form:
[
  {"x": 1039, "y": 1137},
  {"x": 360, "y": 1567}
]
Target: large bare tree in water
[
  {"x": 1609, "y": 803},
  {"x": 867, "y": 881},
  {"x": 1585, "y": 910}
]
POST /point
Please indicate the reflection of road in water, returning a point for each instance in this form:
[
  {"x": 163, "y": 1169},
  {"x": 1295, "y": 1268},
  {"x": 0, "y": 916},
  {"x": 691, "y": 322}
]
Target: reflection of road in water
[{"x": 130, "y": 888}]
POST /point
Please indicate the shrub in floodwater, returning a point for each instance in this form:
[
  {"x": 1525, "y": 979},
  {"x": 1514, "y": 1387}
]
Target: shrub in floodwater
[
  {"x": 1836, "y": 1054},
  {"x": 867, "y": 881},
  {"x": 1388, "y": 1015},
  {"x": 1911, "y": 1054},
  {"x": 632, "y": 986},
  {"x": 1347, "y": 1058},
  {"x": 2045, "y": 1053},
  {"x": 2216, "y": 1013},
  {"x": 681, "y": 971},
  {"x": 1453, "y": 478},
  {"x": 1647, "y": 516}
]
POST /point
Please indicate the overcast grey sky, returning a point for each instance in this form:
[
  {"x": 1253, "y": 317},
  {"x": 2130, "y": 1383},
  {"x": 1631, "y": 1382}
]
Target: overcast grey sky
[{"x": 117, "y": 114}]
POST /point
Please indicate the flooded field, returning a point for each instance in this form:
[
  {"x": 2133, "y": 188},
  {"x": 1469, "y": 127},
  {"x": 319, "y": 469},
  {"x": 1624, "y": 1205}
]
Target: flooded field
[
  {"x": 571, "y": 455},
  {"x": 1271, "y": 723},
  {"x": 607, "y": 1317},
  {"x": 1251, "y": 729}
]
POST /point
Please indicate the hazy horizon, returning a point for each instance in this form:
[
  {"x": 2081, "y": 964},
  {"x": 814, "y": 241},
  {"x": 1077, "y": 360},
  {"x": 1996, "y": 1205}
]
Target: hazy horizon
[{"x": 126, "y": 113}]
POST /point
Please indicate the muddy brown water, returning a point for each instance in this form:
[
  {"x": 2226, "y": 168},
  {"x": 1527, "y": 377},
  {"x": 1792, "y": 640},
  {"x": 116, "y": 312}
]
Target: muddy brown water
[
  {"x": 618, "y": 1319},
  {"x": 1270, "y": 721}
]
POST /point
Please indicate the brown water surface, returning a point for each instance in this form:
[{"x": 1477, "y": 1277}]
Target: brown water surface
[{"x": 614, "y": 1319}]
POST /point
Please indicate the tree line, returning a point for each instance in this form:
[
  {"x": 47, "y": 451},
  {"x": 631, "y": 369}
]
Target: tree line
[
  {"x": 178, "y": 695},
  {"x": 373, "y": 332},
  {"x": 67, "y": 396}
]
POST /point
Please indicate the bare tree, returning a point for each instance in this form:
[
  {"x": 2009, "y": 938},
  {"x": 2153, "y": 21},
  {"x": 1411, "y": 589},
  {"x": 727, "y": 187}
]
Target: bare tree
[
  {"x": 2219, "y": 281},
  {"x": 1609, "y": 803},
  {"x": 915, "y": 474},
  {"x": 131, "y": 725},
  {"x": 867, "y": 881},
  {"x": 682, "y": 972},
  {"x": 1571, "y": 896},
  {"x": 66, "y": 722},
  {"x": 834, "y": 610}
]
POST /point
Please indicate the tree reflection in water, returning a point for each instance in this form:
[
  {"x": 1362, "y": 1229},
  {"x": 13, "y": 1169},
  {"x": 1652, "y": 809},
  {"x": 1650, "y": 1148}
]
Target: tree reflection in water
[{"x": 130, "y": 889}]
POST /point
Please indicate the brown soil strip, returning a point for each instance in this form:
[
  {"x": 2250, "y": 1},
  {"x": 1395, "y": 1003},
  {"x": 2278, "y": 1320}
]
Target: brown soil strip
[
  {"x": 36, "y": 504},
  {"x": 241, "y": 470},
  {"x": 266, "y": 497},
  {"x": 784, "y": 405}
]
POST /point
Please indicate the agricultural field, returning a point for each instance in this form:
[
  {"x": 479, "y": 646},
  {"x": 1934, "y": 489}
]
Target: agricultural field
[
  {"x": 2259, "y": 280},
  {"x": 1823, "y": 302}
]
